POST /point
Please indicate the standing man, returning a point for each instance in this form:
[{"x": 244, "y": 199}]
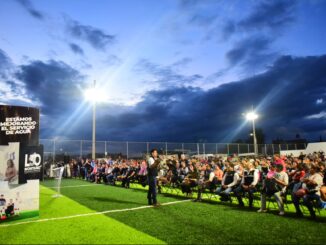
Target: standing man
[{"x": 152, "y": 166}]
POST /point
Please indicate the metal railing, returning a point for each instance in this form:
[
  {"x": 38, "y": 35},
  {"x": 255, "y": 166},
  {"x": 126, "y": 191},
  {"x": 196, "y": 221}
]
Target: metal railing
[{"x": 57, "y": 150}]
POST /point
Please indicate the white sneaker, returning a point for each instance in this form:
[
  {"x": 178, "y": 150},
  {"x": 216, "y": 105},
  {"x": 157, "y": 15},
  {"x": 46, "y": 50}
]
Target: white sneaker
[
  {"x": 281, "y": 213},
  {"x": 261, "y": 210}
]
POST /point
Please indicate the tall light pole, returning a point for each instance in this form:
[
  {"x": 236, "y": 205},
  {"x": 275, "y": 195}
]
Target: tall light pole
[
  {"x": 94, "y": 124},
  {"x": 94, "y": 95},
  {"x": 252, "y": 116}
]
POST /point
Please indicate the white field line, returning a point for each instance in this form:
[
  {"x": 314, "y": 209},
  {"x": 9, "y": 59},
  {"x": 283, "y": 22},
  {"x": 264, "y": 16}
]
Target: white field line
[
  {"x": 68, "y": 186},
  {"x": 91, "y": 214}
]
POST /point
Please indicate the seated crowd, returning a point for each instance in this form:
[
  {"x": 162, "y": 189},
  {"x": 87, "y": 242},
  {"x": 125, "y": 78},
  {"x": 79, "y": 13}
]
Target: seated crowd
[{"x": 302, "y": 178}]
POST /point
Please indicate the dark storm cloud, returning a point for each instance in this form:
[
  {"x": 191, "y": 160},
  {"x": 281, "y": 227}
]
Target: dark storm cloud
[
  {"x": 53, "y": 84},
  {"x": 254, "y": 52},
  {"x": 12, "y": 85},
  {"x": 270, "y": 14},
  {"x": 28, "y": 6},
  {"x": 167, "y": 75},
  {"x": 284, "y": 97},
  {"x": 4, "y": 59},
  {"x": 227, "y": 30},
  {"x": 5, "y": 64},
  {"x": 96, "y": 37},
  {"x": 267, "y": 15},
  {"x": 260, "y": 29},
  {"x": 76, "y": 49}
]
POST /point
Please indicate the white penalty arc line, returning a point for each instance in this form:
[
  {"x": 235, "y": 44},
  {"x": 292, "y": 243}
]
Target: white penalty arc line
[{"x": 91, "y": 214}]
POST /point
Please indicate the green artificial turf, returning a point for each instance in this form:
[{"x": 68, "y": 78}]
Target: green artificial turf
[
  {"x": 180, "y": 223},
  {"x": 98, "y": 229}
]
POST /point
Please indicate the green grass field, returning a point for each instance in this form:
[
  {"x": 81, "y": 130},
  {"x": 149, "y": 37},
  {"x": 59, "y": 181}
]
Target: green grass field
[{"x": 182, "y": 222}]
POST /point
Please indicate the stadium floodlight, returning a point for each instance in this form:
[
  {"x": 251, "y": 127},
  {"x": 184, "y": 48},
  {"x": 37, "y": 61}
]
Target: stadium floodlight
[
  {"x": 252, "y": 116},
  {"x": 94, "y": 95}
]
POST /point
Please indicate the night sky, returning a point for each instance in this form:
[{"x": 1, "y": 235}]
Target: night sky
[{"x": 172, "y": 70}]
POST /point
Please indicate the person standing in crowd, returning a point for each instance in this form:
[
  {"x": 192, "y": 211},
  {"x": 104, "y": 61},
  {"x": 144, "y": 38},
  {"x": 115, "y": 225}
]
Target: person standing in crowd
[{"x": 152, "y": 169}]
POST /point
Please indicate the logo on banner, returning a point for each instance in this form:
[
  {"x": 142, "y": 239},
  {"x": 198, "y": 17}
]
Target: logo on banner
[{"x": 33, "y": 163}]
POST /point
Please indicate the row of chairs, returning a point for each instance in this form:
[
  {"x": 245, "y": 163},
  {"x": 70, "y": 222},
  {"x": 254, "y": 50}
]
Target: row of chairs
[{"x": 172, "y": 189}]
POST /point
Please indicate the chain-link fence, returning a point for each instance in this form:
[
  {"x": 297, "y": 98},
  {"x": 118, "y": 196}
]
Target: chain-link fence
[{"x": 63, "y": 150}]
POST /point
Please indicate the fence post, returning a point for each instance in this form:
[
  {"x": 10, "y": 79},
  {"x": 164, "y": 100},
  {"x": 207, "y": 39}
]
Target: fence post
[
  {"x": 228, "y": 149},
  {"x": 127, "y": 150},
  {"x": 105, "y": 149},
  {"x": 147, "y": 147},
  {"x": 295, "y": 147},
  {"x": 273, "y": 149},
  {"x": 204, "y": 150},
  {"x": 166, "y": 148},
  {"x": 238, "y": 149},
  {"x": 198, "y": 150},
  {"x": 216, "y": 152},
  {"x": 183, "y": 149}
]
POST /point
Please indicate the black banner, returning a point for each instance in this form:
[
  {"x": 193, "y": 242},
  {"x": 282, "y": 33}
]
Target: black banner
[
  {"x": 21, "y": 165},
  {"x": 19, "y": 124}
]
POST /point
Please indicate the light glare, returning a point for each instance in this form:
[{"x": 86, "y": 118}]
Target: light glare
[
  {"x": 251, "y": 116},
  {"x": 94, "y": 95}
]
